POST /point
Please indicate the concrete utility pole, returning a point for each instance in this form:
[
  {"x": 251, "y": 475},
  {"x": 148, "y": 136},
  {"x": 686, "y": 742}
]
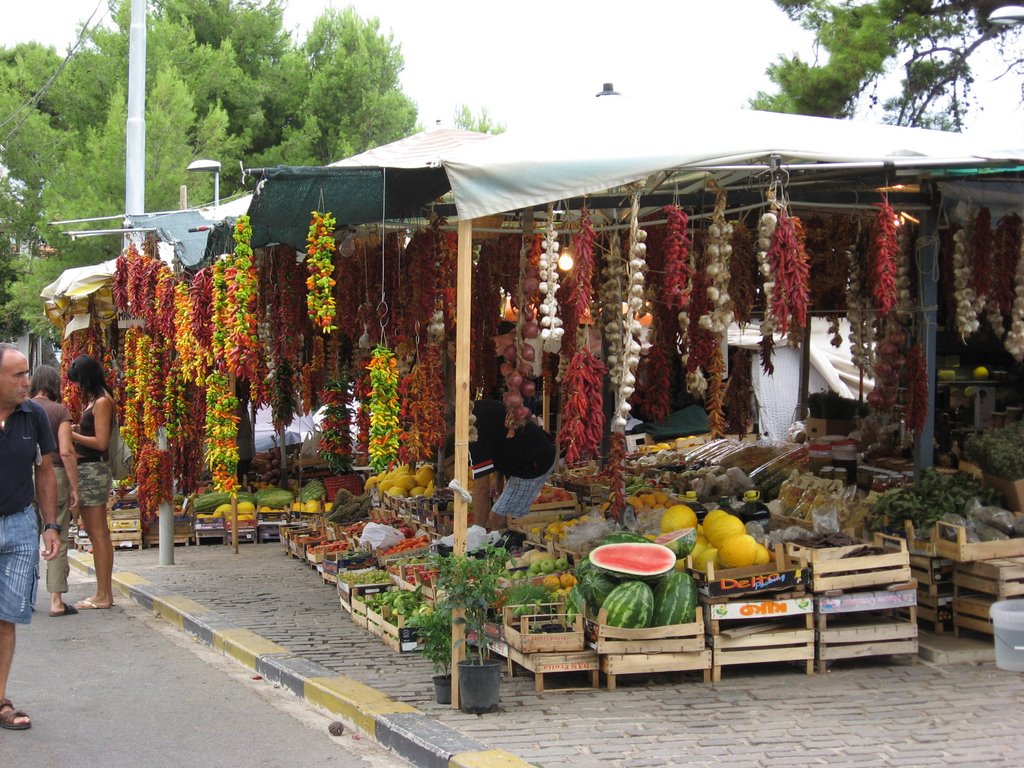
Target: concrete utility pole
[{"x": 135, "y": 135}]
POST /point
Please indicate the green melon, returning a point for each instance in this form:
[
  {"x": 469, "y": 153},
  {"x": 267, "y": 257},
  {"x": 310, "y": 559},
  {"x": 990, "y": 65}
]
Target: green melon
[
  {"x": 630, "y": 605},
  {"x": 675, "y": 600}
]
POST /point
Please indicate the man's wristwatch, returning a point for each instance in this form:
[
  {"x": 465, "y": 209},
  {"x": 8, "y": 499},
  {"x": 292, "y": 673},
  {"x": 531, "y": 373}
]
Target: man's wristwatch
[{"x": 53, "y": 527}]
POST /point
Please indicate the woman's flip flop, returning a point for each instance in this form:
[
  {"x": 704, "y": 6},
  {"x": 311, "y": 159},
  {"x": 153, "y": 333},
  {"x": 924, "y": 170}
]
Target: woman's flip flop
[{"x": 89, "y": 605}]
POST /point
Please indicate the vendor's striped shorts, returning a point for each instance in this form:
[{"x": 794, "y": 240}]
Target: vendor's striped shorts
[
  {"x": 519, "y": 494},
  {"x": 19, "y": 565}
]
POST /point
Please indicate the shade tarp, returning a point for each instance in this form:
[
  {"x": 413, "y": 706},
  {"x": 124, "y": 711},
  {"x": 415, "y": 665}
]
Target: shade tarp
[
  {"x": 77, "y": 288},
  {"x": 612, "y": 141},
  {"x": 286, "y": 196},
  {"x": 421, "y": 150}
]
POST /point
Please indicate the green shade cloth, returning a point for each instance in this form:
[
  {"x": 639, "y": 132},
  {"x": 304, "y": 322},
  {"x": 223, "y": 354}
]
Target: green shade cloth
[
  {"x": 691, "y": 420},
  {"x": 285, "y": 197}
]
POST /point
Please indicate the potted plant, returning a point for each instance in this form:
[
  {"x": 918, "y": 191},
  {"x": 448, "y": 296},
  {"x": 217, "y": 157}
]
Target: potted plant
[
  {"x": 470, "y": 583},
  {"x": 434, "y": 628},
  {"x": 998, "y": 453}
]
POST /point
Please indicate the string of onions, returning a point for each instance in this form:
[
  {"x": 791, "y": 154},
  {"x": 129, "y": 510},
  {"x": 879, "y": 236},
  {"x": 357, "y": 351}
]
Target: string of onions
[
  {"x": 614, "y": 272},
  {"x": 636, "y": 266},
  {"x": 1014, "y": 341},
  {"x": 718, "y": 250},
  {"x": 966, "y": 299},
  {"x": 861, "y": 329},
  {"x": 766, "y": 226}
]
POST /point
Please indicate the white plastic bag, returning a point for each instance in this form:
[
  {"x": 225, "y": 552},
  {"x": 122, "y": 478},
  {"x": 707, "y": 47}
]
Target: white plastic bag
[
  {"x": 476, "y": 537},
  {"x": 377, "y": 536}
]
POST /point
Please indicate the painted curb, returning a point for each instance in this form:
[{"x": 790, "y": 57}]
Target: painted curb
[{"x": 399, "y": 727}]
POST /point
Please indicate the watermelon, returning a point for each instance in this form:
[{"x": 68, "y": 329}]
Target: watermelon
[
  {"x": 596, "y": 587},
  {"x": 630, "y": 605},
  {"x": 675, "y": 600},
  {"x": 624, "y": 537},
  {"x": 647, "y": 561},
  {"x": 681, "y": 542}
]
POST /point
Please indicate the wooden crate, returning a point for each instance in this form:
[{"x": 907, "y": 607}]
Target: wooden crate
[
  {"x": 545, "y": 665},
  {"x": 126, "y": 539},
  {"x": 523, "y": 632},
  {"x": 725, "y": 584},
  {"x": 676, "y": 638},
  {"x": 348, "y": 592},
  {"x": 1002, "y": 577},
  {"x": 615, "y": 664},
  {"x": 972, "y": 612},
  {"x": 951, "y": 542},
  {"x": 539, "y": 518},
  {"x": 392, "y": 630},
  {"x": 860, "y": 624},
  {"x": 833, "y": 568},
  {"x": 760, "y": 632}
]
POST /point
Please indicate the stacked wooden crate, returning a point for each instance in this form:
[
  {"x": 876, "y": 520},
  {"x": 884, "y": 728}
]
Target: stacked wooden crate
[
  {"x": 865, "y": 601},
  {"x": 124, "y": 519},
  {"x": 543, "y": 640},
  {"x": 757, "y": 614}
]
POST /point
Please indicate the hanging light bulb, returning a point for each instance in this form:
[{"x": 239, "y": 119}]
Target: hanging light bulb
[{"x": 565, "y": 261}]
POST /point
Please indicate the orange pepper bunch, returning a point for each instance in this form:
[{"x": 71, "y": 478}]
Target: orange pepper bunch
[
  {"x": 193, "y": 359},
  {"x": 221, "y": 432},
  {"x": 416, "y": 542},
  {"x": 423, "y": 420},
  {"x": 383, "y": 407},
  {"x": 320, "y": 263},
  {"x": 153, "y": 473},
  {"x": 244, "y": 353},
  {"x": 134, "y": 390}
]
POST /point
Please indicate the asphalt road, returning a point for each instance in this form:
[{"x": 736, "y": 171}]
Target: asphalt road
[{"x": 122, "y": 689}]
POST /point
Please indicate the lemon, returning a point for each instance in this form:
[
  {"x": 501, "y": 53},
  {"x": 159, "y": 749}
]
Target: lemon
[{"x": 981, "y": 372}]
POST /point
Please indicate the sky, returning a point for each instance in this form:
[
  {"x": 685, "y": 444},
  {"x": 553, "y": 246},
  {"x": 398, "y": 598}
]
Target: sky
[{"x": 520, "y": 60}]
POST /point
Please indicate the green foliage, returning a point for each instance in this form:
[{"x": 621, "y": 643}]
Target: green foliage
[
  {"x": 930, "y": 43},
  {"x": 224, "y": 80},
  {"x": 481, "y": 123},
  {"x": 998, "y": 451},
  {"x": 470, "y": 583},
  {"x": 435, "y": 632}
]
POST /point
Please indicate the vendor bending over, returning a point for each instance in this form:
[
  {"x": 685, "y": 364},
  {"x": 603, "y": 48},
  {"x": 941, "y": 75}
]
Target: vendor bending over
[{"x": 526, "y": 461}]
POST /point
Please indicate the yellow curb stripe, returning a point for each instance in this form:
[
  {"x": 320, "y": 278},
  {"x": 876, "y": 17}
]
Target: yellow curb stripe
[
  {"x": 491, "y": 758},
  {"x": 126, "y": 580},
  {"x": 351, "y": 699},
  {"x": 82, "y": 561},
  {"x": 172, "y": 608},
  {"x": 244, "y": 645}
]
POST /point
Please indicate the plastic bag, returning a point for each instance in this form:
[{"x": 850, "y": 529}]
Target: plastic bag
[
  {"x": 825, "y": 518},
  {"x": 476, "y": 537},
  {"x": 995, "y": 517},
  {"x": 379, "y": 536}
]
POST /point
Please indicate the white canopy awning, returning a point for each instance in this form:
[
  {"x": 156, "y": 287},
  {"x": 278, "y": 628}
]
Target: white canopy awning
[{"x": 611, "y": 141}]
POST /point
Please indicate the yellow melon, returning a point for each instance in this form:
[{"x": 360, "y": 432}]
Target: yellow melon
[
  {"x": 722, "y": 528},
  {"x": 706, "y": 556},
  {"x": 424, "y": 475},
  {"x": 738, "y": 551},
  {"x": 678, "y": 517},
  {"x": 713, "y": 515},
  {"x": 764, "y": 555}
]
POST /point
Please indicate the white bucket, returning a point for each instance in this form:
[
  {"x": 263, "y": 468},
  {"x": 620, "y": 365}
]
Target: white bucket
[{"x": 1008, "y": 628}]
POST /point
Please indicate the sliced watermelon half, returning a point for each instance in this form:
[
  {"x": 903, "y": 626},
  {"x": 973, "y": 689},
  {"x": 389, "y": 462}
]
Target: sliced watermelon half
[
  {"x": 649, "y": 561},
  {"x": 681, "y": 542}
]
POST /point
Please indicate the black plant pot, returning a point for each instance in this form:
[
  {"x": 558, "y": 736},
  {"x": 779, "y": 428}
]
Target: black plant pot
[
  {"x": 479, "y": 686},
  {"x": 443, "y": 688}
]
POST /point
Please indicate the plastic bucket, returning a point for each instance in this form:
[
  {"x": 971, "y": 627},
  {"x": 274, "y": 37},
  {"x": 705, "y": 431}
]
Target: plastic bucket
[{"x": 1008, "y": 629}]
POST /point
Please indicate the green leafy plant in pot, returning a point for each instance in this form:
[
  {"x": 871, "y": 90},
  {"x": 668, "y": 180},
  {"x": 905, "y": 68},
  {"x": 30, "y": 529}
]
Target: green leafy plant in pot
[
  {"x": 434, "y": 628},
  {"x": 470, "y": 583}
]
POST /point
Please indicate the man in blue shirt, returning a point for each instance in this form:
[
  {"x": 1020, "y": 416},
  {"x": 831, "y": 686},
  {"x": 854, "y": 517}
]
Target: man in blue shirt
[{"x": 26, "y": 441}]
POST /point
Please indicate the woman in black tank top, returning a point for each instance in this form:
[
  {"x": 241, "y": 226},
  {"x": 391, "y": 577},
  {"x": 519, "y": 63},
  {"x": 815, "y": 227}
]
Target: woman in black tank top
[{"x": 91, "y": 438}]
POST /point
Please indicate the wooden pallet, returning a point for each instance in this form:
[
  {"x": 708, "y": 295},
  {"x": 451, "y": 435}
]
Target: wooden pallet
[
  {"x": 971, "y": 612},
  {"x": 726, "y": 584},
  {"x": 861, "y": 624},
  {"x": 543, "y": 666},
  {"x": 615, "y": 664},
  {"x": 838, "y": 568},
  {"x": 760, "y": 632},
  {"x": 1002, "y": 577}
]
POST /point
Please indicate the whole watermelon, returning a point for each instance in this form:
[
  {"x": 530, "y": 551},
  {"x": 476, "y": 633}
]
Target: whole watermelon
[
  {"x": 630, "y": 605},
  {"x": 596, "y": 587},
  {"x": 675, "y": 600}
]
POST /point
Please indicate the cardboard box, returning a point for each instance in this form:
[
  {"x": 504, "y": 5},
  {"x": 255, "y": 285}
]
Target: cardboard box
[{"x": 821, "y": 427}]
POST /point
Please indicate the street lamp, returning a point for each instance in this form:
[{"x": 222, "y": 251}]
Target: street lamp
[
  {"x": 209, "y": 166},
  {"x": 1007, "y": 15}
]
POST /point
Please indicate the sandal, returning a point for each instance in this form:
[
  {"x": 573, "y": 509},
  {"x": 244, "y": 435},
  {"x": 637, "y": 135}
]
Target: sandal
[
  {"x": 89, "y": 605},
  {"x": 8, "y": 714},
  {"x": 66, "y": 610}
]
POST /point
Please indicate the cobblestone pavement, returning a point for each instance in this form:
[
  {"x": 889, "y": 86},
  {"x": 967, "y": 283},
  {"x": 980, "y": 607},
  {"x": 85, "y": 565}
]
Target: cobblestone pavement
[{"x": 875, "y": 712}]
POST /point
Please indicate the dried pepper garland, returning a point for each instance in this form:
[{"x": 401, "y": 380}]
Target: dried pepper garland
[
  {"x": 917, "y": 389},
  {"x": 580, "y": 296},
  {"x": 243, "y": 352},
  {"x": 981, "y": 248},
  {"x": 678, "y": 276},
  {"x": 153, "y": 471},
  {"x": 654, "y": 384},
  {"x": 383, "y": 407},
  {"x": 714, "y": 402},
  {"x": 320, "y": 263},
  {"x": 742, "y": 269},
  {"x": 787, "y": 261},
  {"x": 884, "y": 254},
  {"x": 737, "y": 394},
  {"x": 336, "y": 440},
  {"x": 423, "y": 421},
  {"x": 221, "y": 432},
  {"x": 1004, "y": 267},
  {"x": 616, "y": 474},
  {"x": 582, "y": 424}
]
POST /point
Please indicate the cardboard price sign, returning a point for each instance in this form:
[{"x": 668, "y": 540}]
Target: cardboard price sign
[{"x": 761, "y": 609}]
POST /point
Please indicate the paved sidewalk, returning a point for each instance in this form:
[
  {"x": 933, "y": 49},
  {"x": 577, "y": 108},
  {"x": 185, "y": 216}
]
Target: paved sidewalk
[{"x": 277, "y": 616}]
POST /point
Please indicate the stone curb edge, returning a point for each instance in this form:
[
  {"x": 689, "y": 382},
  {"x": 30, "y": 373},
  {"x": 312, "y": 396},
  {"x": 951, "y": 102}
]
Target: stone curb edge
[{"x": 396, "y": 726}]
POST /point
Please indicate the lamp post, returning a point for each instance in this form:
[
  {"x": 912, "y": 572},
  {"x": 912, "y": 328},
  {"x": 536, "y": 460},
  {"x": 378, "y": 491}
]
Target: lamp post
[
  {"x": 209, "y": 166},
  {"x": 1007, "y": 15}
]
